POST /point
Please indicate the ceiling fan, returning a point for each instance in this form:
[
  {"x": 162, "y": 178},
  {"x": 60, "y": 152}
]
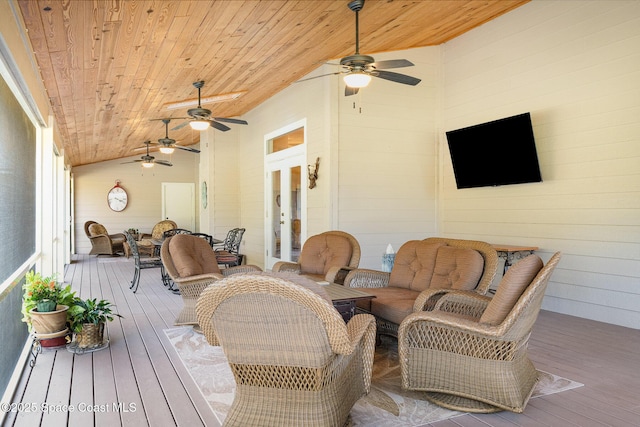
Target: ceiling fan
[
  {"x": 167, "y": 145},
  {"x": 200, "y": 118},
  {"x": 358, "y": 69},
  {"x": 149, "y": 161}
]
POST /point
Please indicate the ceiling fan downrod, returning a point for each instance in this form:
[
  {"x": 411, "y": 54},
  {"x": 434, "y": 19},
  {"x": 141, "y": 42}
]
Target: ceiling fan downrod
[
  {"x": 356, "y": 6},
  {"x": 199, "y": 111}
]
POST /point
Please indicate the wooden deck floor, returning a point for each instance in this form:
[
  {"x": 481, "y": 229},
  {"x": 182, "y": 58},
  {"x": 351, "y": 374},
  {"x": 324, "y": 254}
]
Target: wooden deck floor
[{"x": 137, "y": 381}]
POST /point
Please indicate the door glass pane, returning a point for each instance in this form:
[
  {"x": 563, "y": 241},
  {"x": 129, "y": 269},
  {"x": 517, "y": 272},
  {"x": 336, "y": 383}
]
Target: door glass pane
[
  {"x": 295, "y": 212},
  {"x": 288, "y": 140},
  {"x": 277, "y": 213}
]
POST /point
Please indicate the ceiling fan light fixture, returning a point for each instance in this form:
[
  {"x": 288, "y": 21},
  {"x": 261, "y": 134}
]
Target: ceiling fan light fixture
[
  {"x": 147, "y": 164},
  {"x": 357, "y": 79},
  {"x": 167, "y": 150},
  {"x": 199, "y": 124}
]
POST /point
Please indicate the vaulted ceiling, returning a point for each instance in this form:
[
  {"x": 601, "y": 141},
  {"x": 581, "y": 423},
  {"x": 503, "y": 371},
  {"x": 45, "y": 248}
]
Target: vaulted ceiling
[{"x": 110, "y": 66}]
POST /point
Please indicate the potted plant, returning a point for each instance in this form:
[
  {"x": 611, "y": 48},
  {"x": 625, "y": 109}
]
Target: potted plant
[
  {"x": 45, "y": 304},
  {"x": 87, "y": 318}
]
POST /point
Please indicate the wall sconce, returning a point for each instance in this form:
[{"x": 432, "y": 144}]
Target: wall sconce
[{"x": 313, "y": 173}]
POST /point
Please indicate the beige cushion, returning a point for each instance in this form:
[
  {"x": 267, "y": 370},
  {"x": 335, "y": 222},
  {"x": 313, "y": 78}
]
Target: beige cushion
[
  {"x": 390, "y": 303},
  {"x": 457, "y": 268},
  {"x": 323, "y": 251},
  {"x": 414, "y": 264},
  {"x": 511, "y": 287},
  {"x": 192, "y": 255},
  {"x": 97, "y": 229}
]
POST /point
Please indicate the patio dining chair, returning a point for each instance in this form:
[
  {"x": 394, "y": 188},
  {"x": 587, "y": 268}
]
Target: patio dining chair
[
  {"x": 229, "y": 255},
  {"x": 140, "y": 262}
]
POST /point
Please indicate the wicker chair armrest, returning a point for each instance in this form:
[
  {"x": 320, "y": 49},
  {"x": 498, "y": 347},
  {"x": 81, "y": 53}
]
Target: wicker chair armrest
[
  {"x": 337, "y": 274},
  {"x": 364, "y": 278},
  {"x": 144, "y": 236},
  {"x": 117, "y": 236},
  {"x": 362, "y": 332},
  {"x": 101, "y": 238},
  {"x": 240, "y": 269},
  {"x": 427, "y": 299},
  {"x": 465, "y": 303},
  {"x": 428, "y": 323},
  {"x": 199, "y": 281},
  {"x": 282, "y": 266}
]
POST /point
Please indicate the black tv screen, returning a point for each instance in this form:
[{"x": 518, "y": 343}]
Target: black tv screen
[{"x": 500, "y": 152}]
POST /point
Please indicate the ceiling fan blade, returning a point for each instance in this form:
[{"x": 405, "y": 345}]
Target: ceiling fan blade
[
  {"x": 317, "y": 77},
  {"x": 181, "y": 125},
  {"x": 227, "y": 120},
  {"x": 396, "y": 77},
  {"x": 163, "y": 162},
  {"x": 348, "y": 91},
  {"x": 193, "y": 150},
  {"x": 219, "y": 126},
  {"x": 132, "y": 161},
  {"x": 392, "y": 63}
]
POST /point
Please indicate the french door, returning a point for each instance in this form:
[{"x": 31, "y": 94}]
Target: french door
[{"x": 284, "y": 205}]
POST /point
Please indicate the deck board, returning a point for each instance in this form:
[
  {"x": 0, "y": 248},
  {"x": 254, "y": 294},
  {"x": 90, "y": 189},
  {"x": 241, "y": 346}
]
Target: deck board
[{"x": 140, "y": 368}]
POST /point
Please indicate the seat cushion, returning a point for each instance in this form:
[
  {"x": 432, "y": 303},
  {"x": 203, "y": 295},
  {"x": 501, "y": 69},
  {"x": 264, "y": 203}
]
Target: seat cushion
[
  {"x": 390, "y": 303},
  {"x": 323, "y": 251},
  {"x": 511, "y": 287},
  {"x": 414, "y": 265},
  {"x": 457, "y": 268},
  {"x": 97, "y": 229},
  {"x": 192, "y": 256}
]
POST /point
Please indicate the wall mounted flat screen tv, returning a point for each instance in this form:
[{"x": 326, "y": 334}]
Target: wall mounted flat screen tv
[{"x": 500, "y": 152}]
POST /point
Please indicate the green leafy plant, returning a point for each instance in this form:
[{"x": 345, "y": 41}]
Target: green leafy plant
[
  {"x": 90, "y": 311},
  {"x": 37, "y": 289}
]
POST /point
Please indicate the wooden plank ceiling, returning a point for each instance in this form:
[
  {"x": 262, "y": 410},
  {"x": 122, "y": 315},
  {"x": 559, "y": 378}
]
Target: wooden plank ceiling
[{"x": 109, "y": 66}]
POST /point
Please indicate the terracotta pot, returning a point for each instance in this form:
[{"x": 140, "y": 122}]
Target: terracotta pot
[
  {"x": 91, "y": 335},
  {"x": 49, "y": 322}
]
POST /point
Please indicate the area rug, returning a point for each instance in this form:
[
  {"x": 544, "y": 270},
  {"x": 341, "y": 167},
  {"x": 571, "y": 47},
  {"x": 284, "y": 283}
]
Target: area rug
[{"x": 386, "y": 405}]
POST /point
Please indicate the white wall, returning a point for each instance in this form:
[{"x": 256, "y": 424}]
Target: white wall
[
  {"x": 387, "y": 158},
  {"x": 305, "y": 100},
  {"x": 377, "y": 161},
  {"x": 219, "y": 168},
  {"x": 144, "y": 210},
  {"x": 576, "y": 67}
]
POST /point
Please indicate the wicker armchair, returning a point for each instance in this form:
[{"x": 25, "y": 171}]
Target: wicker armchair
[
  {"x": 191, "y": 264},
  {"x": 103, "y": 243},
  {"x": 421, "y": 275},
  {"x": 294, "y": 360},
  {"x": 470, "y": 352},
  {"x": 157, "y": 232},
  {"x": 325, "y": 256}
]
